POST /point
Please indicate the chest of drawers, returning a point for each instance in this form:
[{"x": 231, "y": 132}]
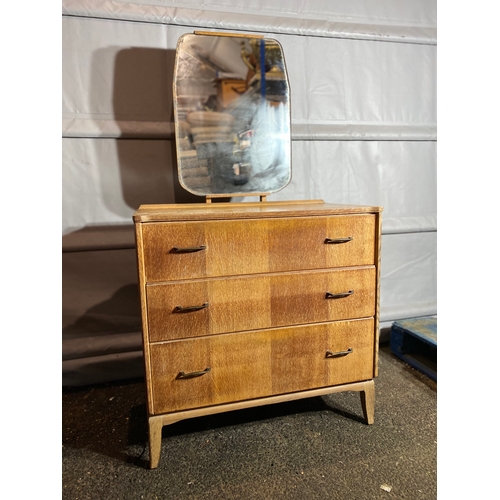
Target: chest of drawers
[{"x": 246, "y": 304}]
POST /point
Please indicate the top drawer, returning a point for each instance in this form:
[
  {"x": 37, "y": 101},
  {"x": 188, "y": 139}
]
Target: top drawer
[{"x": 185, "y": 250}]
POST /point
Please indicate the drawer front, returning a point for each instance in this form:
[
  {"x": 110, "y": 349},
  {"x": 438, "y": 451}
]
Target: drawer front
[
  {"x": 208, "y": 371},
  {"x": 211, "y": 306},
  {"x": 185, "y": 250}
]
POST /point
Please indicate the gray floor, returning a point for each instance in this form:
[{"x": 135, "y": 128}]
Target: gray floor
[{"x": 307, "y": 449}]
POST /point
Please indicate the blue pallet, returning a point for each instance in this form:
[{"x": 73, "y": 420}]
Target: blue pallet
[{"x": 415, "y": 342}]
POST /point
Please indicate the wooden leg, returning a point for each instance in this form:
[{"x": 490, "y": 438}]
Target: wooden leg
[
  {"x": 368, "y": 401},
  {"x": 155, "y": 427}
]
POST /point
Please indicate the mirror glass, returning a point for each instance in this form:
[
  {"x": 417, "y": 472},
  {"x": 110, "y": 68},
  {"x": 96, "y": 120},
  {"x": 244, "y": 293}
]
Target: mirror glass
[{"x": 232, "y": 115}]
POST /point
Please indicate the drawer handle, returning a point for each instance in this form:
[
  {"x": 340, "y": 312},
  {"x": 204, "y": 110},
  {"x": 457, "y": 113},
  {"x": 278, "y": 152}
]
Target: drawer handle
[
  {"x": 187, "y": 249},
  {"x": 336, "y": 241},
  {"x": 180, "y": 309},
  {"x": 338, "y": 295},
  {"x": 193, "y": 374},
  {"x": 330, "y": 354}
]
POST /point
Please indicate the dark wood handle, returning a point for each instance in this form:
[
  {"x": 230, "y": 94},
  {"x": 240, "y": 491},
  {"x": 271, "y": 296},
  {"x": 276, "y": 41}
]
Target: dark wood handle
[
  {"x": 330, "y": 241},
  {"x": 330, "y": 354},
  {"x": 329, "y": 295},
  {"x": 187, "y": 249},
  {"x": 181, "y": 309},
  {"x": 193, "y": 374}
]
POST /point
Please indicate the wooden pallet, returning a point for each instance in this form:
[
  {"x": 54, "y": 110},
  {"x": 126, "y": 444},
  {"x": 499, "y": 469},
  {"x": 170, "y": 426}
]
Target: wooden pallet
[{"x": 415, "y": 342}]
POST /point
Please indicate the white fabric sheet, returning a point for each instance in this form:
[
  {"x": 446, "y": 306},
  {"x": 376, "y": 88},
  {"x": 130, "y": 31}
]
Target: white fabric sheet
[
  {"x": 117, "y": 82},
  {"x": 403, "y": 21},
  {"x": 105, "y": 181}
]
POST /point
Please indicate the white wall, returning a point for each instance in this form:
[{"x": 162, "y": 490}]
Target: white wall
[{"x": 363, "y": 102}]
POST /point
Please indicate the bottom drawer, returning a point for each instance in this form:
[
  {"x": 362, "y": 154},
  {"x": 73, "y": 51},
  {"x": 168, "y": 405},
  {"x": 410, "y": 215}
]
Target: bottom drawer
[{"x": 207, "y": 371}]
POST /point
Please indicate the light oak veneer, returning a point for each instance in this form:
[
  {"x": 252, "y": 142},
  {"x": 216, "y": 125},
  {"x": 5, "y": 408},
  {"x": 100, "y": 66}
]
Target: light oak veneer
[
  {"x": 280, "y": 299},
  {"x": 246, "y": 304},
  {"x": 236, "y": 247},
  {"x": 260, "y": 363}
]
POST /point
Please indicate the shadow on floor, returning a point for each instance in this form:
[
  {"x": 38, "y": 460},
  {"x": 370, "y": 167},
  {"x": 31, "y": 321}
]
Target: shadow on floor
[{"x": 110, "y": 417}]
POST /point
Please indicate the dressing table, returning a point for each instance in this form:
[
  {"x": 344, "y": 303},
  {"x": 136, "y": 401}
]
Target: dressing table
[{"x": 252, "y": 303}]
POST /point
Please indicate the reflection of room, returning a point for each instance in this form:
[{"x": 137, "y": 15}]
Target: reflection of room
[{"x": 232, "y": 115}]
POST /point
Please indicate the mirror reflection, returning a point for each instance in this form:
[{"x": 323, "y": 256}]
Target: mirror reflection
[{"x": 232, "y": 115}]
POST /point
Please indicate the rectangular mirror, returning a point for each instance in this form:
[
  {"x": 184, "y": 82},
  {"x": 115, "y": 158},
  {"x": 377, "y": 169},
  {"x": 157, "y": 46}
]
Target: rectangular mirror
[{"x": 232, "y": 114}]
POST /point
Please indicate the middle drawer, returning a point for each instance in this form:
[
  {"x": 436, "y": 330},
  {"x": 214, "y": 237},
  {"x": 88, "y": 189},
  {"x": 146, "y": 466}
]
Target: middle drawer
[{"x": 196, "y": 308}]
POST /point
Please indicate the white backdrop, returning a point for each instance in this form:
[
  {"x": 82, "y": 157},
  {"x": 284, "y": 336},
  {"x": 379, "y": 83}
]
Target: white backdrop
[{"x": 363, "y": 103}]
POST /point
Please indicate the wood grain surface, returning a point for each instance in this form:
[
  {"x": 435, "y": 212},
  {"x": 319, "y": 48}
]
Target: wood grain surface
[
  {"x": 247, "y": 210},
  {"x": 238, "y": 247},
  {"x": 258, "y": 301},
  {"x": 259, "y": 364}
]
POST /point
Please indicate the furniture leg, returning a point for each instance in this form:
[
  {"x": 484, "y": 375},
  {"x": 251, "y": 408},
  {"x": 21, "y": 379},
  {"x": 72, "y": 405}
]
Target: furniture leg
[
  {"x": 155, "y": 427},
  {"x": 368, "y": 401}
]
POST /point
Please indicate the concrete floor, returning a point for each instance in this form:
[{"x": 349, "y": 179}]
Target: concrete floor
[{"x": 317, "y": 448}]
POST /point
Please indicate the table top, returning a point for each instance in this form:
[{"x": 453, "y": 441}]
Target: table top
[{"x": 247, "y": 210}]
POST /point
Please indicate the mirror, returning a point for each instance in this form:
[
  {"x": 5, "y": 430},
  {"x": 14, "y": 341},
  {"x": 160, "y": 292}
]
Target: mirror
[{"x": 232, "y": 115}]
